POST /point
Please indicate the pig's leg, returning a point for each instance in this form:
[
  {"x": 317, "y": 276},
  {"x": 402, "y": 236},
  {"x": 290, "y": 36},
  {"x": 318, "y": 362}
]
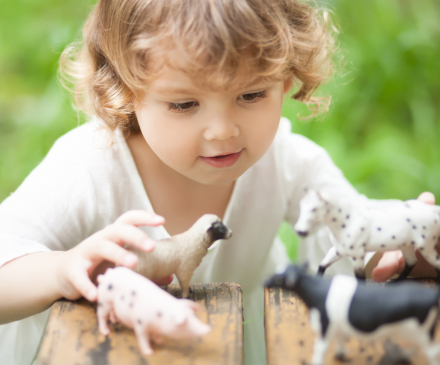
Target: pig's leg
[
  {"x": 193, "y": 305},
  {"x": 103, "y": 313},
  {"x": 141, "y": 332},
  {"x": 112, "y": 316}
]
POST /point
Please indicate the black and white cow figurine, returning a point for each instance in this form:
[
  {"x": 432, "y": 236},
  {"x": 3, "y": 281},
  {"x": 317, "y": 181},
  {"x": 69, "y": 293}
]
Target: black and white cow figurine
[
  {"x": 342, "y": 307},
  {"x": 372, "y": 225}
]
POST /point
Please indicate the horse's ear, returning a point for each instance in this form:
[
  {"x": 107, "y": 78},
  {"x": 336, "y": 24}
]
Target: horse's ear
[
  {"x": 318, "y": 193},
  {"x": 322, "y": 195},
  {"x": 325, "y": 196}
]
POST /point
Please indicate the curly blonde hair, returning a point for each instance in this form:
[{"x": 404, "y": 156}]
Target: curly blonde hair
[{"x": 124, "y": 39}]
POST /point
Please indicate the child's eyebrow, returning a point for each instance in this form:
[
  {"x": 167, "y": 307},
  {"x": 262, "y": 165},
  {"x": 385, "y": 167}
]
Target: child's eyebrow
[
  {"x": 171, "y": 90},
  {"x": 255, "y": 82}
]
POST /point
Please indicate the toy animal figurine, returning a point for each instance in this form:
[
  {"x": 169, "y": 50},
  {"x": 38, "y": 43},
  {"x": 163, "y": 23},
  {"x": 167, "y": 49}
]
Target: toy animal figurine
[
  {"x": 342, "y": 307},
  {"x": 127, "y": 297},
  {"x": 182, "y": 253},
  {"x": 381, "y": 226}
]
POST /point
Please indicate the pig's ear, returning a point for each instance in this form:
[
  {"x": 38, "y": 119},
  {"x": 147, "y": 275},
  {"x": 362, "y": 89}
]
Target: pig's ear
[
  {"x": 191, "y": 304},
  {"x": 179, "y": 317}
]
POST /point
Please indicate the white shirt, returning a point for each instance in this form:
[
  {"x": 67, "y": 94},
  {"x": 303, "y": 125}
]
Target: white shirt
[{"x": 84, "y": 184}]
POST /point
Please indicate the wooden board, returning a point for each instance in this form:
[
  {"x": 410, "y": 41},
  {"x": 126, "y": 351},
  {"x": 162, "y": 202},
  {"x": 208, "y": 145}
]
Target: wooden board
[
  {"x": 289, "y": 338},
  {"x": 72, "y": 338}
]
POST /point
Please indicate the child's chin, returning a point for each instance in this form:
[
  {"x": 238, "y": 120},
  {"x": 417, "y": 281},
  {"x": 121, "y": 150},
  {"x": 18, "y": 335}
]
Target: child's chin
[{"x": 219, "y": 177}]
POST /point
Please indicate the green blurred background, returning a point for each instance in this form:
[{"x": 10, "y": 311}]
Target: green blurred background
[{"x": 382, "y": 128}]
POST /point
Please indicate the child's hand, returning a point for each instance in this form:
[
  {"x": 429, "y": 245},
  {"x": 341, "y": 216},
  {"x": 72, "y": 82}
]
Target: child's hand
[
  {"x": 392, "y": 261},
  {"x": 75, "y": 266}
]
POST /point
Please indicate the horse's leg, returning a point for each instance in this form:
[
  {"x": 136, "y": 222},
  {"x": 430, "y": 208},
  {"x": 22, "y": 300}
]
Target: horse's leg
[
  {"x": 410, "y": 259},
  {"x": 431, "y": 255},
  {"x": 331, "y": 257},
  {"x": 359, "y": 269}
]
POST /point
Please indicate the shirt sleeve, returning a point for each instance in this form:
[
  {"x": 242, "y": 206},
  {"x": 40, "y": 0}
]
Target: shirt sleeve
[{"x": 53, "y": 209}]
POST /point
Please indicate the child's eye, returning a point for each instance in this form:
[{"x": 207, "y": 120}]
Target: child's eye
[
  {"x": 253, "y": 97},
  {"x": 182, "y": 107}
]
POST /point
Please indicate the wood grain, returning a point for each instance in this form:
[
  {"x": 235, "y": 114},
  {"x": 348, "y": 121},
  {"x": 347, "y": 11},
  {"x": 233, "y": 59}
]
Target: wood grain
[
  {"x": 289, "y": 338},
  {"x": 72, "y": 338}
]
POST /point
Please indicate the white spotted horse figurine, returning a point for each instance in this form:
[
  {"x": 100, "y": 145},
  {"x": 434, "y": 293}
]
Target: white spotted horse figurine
[
  {"x": 343, "y": 307},
  {"x": 378, "y": 225}
]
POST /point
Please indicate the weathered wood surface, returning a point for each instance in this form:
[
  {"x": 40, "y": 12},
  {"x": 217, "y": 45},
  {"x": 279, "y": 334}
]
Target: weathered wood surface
[
  {"x": 72, "y": 337},
  {"x": 289, "y": 338}
]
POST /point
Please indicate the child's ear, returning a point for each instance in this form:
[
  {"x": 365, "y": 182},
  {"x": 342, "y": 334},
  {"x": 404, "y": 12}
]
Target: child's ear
[{"x": 287, "y": 85}]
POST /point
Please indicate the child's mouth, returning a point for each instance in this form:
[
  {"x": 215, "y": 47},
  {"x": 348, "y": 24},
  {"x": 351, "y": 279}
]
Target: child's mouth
[{"x": 223, "y": 160}]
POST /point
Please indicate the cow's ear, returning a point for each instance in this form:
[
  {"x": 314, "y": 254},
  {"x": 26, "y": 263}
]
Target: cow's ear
[
  {"x": 304, "y": 266},
  {"x": 291, "y": 276}
]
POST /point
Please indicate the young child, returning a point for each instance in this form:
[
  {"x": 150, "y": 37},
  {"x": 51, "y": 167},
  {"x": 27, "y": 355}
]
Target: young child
[{"x": 186, "y": 97}]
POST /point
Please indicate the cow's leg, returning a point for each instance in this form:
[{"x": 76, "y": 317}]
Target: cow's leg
[
  {"x": 320, "y": 348},
  {"x": 432, "y": 353},
  {"x": 427, "y": 346},
  {"x": 432, "y": 350},
  {"x": 410, "y": 261},
  {"x": 331, "y": 257},
  {"x": 341, "y": 350},
  {"x": 321, "y": 343}
]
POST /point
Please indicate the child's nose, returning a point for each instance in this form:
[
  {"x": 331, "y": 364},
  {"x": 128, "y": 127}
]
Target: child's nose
[{"x": 221, "y": 128}]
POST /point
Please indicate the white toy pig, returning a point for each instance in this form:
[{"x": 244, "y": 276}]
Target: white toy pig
[{"x": 127, "y": 297}]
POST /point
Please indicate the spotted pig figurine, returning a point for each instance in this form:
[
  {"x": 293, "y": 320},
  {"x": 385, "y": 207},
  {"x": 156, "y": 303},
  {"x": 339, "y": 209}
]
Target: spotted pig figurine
[
  {"x": 131, "y": 299},
  {"x": 372, "y": 225}
]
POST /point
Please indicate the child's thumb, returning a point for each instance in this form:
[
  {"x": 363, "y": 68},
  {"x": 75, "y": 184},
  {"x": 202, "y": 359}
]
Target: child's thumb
[
  {"x": 427, "y": 197},
  {"x": 391, "y": 263}
]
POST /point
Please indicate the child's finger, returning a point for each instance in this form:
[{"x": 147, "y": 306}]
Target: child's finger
[
  {"x": 427, "y": 197},
  {"x": 140, "y": 218},
  {"x": 82, "y": 283},
  {"x": 391, "y": 263},
  {"x": 110, "y": 251},
  {"x": 125, "y": 234}
]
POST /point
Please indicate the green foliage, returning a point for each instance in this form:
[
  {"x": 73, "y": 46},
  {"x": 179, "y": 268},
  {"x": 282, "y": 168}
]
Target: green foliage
[
  {"x": 381, "y": 130},
  {"x": 35, "y": 110},
  {"x": 383, "y": 126}
]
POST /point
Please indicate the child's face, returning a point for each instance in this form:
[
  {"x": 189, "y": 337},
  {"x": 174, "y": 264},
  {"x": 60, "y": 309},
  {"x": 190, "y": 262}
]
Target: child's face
[{"x": 188, "y": 126}]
